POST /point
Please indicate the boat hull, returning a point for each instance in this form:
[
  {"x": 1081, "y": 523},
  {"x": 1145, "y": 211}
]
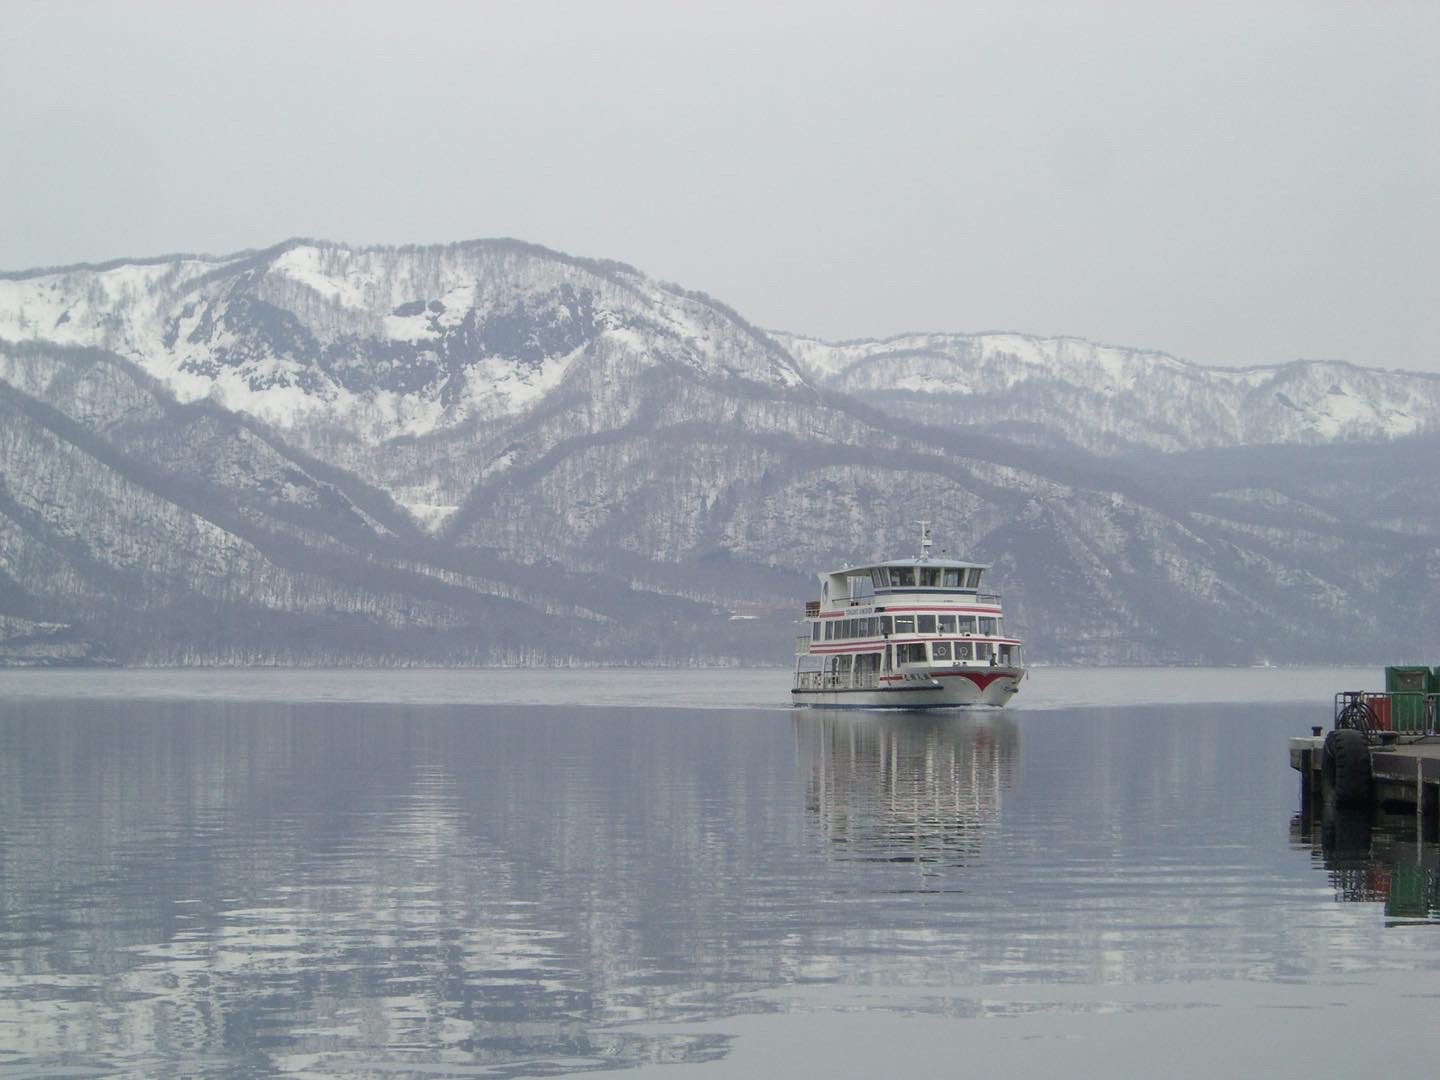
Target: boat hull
[{"x": 938, "y": 688}]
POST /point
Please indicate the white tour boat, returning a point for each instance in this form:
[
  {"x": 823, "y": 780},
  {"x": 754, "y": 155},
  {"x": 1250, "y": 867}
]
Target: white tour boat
[{"x": 908, "y": 634}]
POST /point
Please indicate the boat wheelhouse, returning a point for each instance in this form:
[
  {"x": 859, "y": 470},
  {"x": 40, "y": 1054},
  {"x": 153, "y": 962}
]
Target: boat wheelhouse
[{"x": 906, "y": 633}]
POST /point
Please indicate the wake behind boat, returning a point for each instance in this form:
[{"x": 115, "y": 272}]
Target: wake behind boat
[{"x": 906, "y": 633}]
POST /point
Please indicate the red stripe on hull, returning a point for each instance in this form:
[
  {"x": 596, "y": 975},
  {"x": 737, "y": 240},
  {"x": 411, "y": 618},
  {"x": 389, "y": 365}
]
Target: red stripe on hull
[{"x": 981, "y": 679}]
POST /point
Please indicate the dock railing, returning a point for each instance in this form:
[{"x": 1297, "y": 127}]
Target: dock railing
[{"x": 1405, "y": 712}]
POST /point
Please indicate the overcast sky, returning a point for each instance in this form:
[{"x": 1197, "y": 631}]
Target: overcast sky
[{"x": 1232, "y": 183}]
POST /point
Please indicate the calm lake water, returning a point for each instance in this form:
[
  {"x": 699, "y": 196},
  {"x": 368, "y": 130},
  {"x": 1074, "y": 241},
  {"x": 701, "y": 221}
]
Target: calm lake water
[{"x": 522, "y": 873}]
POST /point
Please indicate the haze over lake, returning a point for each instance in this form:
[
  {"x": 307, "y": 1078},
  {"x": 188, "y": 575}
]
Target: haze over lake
[{"x": 332, "y": 874}]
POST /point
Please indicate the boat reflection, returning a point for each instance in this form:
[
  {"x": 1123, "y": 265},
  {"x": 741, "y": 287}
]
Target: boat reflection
[
  {"x": 1375, "y": 857},
  {"x": 906, "y": 788}
]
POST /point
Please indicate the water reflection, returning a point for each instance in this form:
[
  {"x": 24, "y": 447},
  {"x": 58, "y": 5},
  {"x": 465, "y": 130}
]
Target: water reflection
[
  {"x": 917, "y": 789},
  {"x": 1371, "y": 856},
  {"x": 191, "y": 889},
  {"x": 199, "y": 890}
]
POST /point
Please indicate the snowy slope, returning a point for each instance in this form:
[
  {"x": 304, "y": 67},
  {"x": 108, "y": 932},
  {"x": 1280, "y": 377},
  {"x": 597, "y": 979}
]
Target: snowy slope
[
  {"x": 490, "y": 452},
  {"x": 378, "y": 342},
  {"x": 1108, "y": 399},
  {"x": 330, "y": 343},
  {"x": 348, "y": 351}
]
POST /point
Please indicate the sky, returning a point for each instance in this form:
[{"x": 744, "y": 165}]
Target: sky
[{"x": 1232, "y": 183}]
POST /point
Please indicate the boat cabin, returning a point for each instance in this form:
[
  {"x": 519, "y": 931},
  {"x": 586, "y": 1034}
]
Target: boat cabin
[
  {"x": 936, "y": 578},
  {"x": 903, "y": 612},
  {"x": 917, "y": 626}
]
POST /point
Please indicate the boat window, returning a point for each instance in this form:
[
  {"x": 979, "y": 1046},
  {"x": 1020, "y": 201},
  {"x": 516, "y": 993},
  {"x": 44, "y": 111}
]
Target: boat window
[
  {"x": 873, "y": 629},
  {"x": 962, "y": 650},
  {"x": 904, "y": 624},
  {"x": 1004, "y": 654},
  {"x": 947, "y": 624},
  {"x": 925, "y": 624},
  {"x": 879, "y": 578},
  {"x": 903, "y": 576},
  {"x": 829, "y": 631},
  {"x": 967, "y": 624},
  {"x": 910, "y": 654},
  {"x": 982, "y": 650},
  {"x": 972, "y": 578},
  {"x": 987, "y": 626},
  {"x": 940, "y": 650},
  {"x": 952, "y": 579},
  {"x": 815, "y": 632},
  {"x": 930, "y": 577},
  {"x": 887, "y": 627}
]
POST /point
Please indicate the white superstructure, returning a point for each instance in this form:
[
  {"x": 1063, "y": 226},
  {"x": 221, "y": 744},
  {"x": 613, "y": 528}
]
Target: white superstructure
[{"x": 906, "y": 633}]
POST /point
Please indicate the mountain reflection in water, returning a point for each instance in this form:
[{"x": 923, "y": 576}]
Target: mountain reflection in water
[
  {"x": 208, "y": 889},
  {"x": 192, "y": 889}
]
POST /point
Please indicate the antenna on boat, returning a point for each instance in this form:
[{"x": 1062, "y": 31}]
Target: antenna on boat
[{"x": 924, "y": 539}]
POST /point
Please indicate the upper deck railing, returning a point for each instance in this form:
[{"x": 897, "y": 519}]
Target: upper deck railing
[{"x": 814, "y": 607}]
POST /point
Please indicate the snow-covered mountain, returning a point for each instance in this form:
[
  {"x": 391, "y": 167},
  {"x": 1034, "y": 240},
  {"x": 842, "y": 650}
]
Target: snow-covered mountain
[
  {"x": 490, "y": 452},
  {"x": 332, "y": 344},
  {"x": 1109, "y": 399},
  {"x": 378, "y": 342}
]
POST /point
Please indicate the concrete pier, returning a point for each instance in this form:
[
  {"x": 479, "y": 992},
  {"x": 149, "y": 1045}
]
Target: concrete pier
[{"x": 1404, "y": 775}]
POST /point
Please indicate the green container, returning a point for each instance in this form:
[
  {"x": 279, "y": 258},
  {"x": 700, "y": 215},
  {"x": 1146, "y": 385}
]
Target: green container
[{"x": 1407, "y": 687}]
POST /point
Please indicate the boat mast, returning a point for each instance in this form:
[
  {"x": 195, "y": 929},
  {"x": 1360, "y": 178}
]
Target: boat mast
[{"x": 924, "y": 539}]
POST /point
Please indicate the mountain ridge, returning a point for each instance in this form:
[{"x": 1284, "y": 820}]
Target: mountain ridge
[
  {"x": 489, "y": 452},
  {"x": 1120, "y": 399},
  {"x": 908, "y": 335}
]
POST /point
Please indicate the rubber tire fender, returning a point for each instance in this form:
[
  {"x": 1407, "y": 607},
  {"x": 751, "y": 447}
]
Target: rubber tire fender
[{"x": 1345, "y": 773}]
